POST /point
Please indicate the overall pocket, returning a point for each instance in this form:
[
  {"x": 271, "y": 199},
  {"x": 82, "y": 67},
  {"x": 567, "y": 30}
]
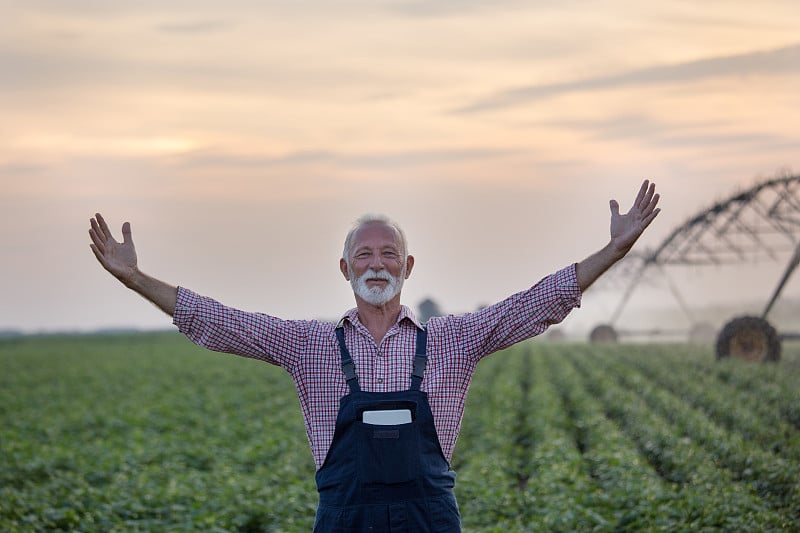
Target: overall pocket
[{"x": 388, "y": 455}]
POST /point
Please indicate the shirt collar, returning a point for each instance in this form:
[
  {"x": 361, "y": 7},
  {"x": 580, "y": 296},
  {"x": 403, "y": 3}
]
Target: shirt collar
[{"x": 405, "y": 314}]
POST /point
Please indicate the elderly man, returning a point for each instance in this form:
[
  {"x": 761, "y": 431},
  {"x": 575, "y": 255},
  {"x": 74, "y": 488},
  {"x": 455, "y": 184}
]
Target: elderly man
[{"x": 382, "y": 394}]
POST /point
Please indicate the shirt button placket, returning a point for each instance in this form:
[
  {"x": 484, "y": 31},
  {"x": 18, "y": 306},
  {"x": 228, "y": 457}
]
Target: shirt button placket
[{"x": 381, "y": 369}]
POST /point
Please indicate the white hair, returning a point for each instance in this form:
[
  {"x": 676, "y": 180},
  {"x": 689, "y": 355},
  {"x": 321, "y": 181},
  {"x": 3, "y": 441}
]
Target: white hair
[{"x": 369, "y": 219}]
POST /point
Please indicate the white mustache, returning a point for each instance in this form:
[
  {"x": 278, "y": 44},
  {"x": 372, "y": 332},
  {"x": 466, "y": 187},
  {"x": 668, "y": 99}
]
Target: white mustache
[{"x": 376, "y": 274}]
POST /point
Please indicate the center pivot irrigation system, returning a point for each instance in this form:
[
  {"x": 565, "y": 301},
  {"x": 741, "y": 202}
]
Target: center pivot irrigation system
[{"x": 763, "y": 221}]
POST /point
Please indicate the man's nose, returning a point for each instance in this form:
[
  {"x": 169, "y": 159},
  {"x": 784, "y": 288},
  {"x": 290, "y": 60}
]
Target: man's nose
[{"x": 376, "y": 262}]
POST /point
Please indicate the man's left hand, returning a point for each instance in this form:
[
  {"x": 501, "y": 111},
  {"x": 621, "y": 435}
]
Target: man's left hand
[{"x": 626, "y": 229}]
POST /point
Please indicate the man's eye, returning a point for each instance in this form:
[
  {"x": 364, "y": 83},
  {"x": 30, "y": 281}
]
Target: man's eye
[{"x": 391, "y": 255}]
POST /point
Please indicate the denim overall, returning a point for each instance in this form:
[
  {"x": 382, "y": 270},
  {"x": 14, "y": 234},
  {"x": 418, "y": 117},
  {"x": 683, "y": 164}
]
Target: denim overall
[{"x": 386, "y": 478}]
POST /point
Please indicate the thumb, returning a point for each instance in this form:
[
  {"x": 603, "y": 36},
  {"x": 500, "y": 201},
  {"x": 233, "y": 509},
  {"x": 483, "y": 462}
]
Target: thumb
[
  {"x": 126, "y": 233},
  {"x": 614, "y": 207}
]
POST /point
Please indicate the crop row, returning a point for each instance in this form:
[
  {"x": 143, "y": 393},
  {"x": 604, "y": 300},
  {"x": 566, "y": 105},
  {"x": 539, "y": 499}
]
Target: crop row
[
  {"x": 773, "y": 476},
  {"x": 738, "y": 410},
  {"x": 681, "y": 447},
  {"x": 598, "y": 452}
]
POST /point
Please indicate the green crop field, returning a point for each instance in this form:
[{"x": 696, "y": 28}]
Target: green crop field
[{"x": 147, "y": 432}]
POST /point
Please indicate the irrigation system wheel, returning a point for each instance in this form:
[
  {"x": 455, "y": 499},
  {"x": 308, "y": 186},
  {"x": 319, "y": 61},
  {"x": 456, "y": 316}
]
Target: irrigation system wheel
[{"x": 750, "y": 338}]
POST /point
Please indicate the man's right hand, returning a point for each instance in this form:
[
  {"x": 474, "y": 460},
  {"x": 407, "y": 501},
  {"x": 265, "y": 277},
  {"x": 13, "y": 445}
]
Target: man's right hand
[{"x": 119, "y": 258}]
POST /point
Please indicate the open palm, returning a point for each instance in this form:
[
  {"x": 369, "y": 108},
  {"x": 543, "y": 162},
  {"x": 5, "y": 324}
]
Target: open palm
[
  {"x": 626, "y": 229},
  {"x": 119, "y": 258}
]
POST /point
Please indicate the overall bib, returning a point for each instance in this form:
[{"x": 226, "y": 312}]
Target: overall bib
[{"x": 386, "y": 478}]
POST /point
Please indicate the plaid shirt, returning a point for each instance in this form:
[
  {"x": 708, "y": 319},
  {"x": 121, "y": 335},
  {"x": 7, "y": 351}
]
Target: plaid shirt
[{"x": 308, "y": 350}]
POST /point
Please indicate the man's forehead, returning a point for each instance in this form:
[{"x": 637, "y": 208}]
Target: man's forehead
[{"x": 376, "y": 231}]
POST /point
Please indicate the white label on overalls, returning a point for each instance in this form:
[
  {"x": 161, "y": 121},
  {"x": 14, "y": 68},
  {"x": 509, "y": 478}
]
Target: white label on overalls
[{"x": 388, "y": 417}]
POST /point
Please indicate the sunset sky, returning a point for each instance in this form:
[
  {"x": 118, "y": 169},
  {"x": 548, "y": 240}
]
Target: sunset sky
[{"x": 242, "y": 138}]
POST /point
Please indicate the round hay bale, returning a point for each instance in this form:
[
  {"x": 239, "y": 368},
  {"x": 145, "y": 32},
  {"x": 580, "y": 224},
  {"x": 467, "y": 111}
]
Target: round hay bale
[
  {"x": 750, "y": 338},
  {"x": 604, "y": 333}
]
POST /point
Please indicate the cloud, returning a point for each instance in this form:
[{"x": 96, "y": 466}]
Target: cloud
[
  {"x": 623, "y": 127},
  {"x": 651, "y": 131},
  {"x": 367, "y": 159},
  {"x": 784, "y": 60},
  {"x": 32, "y": 70},
  {"x": 195, "y": 27},
  {"x": 426, "y": 8},
  {"x": 212, "y": 159},
  {"x": 21, "y": 169}
]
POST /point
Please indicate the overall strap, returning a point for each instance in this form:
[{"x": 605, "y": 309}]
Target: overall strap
[
  {"x": 348, "y": 367},
  {"x": 420, "y": 359}
]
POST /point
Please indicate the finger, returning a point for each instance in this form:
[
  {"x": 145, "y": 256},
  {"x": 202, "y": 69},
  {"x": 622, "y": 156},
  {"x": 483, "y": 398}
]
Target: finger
[
  {"x": 98, "y": 242},
  {"x": 104, "y": 226},
  {"x": 651, "y": 206},
  {"x": 642, "y": 191},
  {"x": 95, "y": 227},
  {"x": 648, "y": 197},
  {"x": 649, "y": 218},
  {"x": 100, "y": 257},
  {"x": 126, "y": 233},
  {"x": 614, "y": 205}
]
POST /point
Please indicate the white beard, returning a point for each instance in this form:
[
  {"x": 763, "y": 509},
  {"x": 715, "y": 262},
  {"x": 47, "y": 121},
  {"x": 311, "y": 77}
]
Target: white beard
[{"x": 377, "y": 295}]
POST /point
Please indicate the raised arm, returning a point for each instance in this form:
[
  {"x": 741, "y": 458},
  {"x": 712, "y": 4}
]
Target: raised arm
[
  {"x": 119, "y": 258},
  {"x": 625, "y": 231}
]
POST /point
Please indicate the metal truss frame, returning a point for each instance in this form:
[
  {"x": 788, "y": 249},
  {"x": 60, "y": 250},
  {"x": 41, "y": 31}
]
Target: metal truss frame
[{"x": 763, "y": 221}]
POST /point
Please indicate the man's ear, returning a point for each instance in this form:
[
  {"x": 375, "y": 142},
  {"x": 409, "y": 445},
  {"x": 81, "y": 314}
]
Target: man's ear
[
  {"x": 409, "y": 265},
  {"x": 344, "y": 269}
]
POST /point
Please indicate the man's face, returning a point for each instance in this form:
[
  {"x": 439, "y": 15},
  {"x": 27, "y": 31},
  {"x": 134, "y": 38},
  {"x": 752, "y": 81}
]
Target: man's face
[{"x": 376, "y": 267}]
